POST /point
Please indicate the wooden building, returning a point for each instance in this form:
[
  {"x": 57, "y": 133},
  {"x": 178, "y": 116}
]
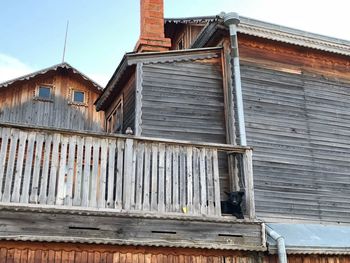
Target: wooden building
[
  {"x": 74, "y": 194},
  {"x": 59, "y": 97}
]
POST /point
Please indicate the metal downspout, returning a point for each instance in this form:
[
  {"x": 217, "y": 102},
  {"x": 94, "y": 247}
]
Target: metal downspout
[
  {"x": 281, "y": 248},
  {"x": 232, "y": 20}
]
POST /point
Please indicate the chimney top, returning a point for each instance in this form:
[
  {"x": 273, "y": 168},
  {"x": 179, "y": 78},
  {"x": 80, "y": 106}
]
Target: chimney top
[{"x": 152, "y": 37}]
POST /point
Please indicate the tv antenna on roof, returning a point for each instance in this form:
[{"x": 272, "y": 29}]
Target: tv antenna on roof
[{"x": 65, "y": 42}]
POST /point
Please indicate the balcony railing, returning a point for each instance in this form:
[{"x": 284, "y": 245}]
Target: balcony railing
[{"x": 123, "y": 173}]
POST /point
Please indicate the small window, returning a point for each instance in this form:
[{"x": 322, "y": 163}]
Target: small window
[
  {"x": 115, "y": 119},
  {"x": 78, "y": 96},
  {"x": 180, "y": 44},
  {"x": 43, "y": 92}
]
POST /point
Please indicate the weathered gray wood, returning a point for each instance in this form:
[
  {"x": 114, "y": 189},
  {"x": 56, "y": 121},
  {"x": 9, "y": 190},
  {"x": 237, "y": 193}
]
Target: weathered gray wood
[
  {"x": 79, "y": 172},
  {"x": 216, "y": 183},
  {"x": 119, "y": 174},
  {"x": 196, "y": 181},
  {"x": 147, "y": 178},
  {"x": 189, "y": 176},
  {"x": 94, "y": 173},
  {"x": 46, "y": 167},
  {"x": 168, "y": 178},
  {"x": 161, "y": 179},
  {"x": 210, "y": 182},
  {"x": 249, "y": 185},
  {"x": 61, "y": 180},
  {"x": 154, "y": 178},
  {"x": 5, "y": 135},
  {"x": 86, "y": 172},
  {"x": 111, "y": 172},
  {"x": 182, "y": 180},
  {"x": 128, "y": 169},
  {"x": 203, "y": 182},
  {"x": 68, "y": 198},
  {"x": 10, "y": 166},
  {"x": 54, "y": 169},
  {"x": 19, "y": 166},
  {"x": 139, "y": 176},
  {"x": 176, "y": 200},
  {"x": 101, "y": 200},
  {"x": 138, "y": 100}
]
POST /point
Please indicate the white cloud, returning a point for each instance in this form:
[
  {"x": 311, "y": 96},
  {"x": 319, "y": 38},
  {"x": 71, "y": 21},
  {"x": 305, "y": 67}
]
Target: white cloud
[
  {"x": 11, "y": 68},
  {"x": 99, "y": 78}
]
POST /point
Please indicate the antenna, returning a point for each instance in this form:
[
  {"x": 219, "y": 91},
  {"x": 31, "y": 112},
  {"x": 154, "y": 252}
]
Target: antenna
[{"x": 65, "y": 42}]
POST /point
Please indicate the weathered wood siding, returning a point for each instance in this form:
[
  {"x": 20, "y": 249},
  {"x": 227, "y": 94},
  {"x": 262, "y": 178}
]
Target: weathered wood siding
[
  {"x": 298, "y": 126},
  {"x": 18, "y": 105},
  {"x": 310, "y": 258},
  {"x": 183, "y": 100},
  {"x": 59, "y": 253}
]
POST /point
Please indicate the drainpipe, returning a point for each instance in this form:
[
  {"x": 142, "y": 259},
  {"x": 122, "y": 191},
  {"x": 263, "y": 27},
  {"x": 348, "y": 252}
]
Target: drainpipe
[
  {"x": 231, "y": 20},
  {"x": 281, "y": 248}
]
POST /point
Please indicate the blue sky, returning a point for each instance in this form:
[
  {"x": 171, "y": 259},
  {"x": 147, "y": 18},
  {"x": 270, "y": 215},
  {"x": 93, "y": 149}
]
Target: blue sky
[{"x": 100, "y": 32}]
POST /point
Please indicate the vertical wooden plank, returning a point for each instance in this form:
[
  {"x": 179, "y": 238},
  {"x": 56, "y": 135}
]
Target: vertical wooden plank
[
  {"x": 94, "y": 174},
  {"x": 216, "y": 176},
  {"x": 210, "y": 182},
  {"x": 176, "y": 203},
  {"x": 54, "y": 169},
  {"x": 61, "y": 182},
  {"x": 111, "y": 166},
  {"x": 119, "y": 174},
  {"x": 139, "y": 176},
  {"x": 203, "y": 183},
  {"x": 138, "y": 100},
  {"x": 34, "y": 195},
  {"x": 248, "y": 178},
  {"x": 101, "y": 201},
  {"x": 86, "y": 172},
  {"x": 147, "y": 178},
  {"x": 168, "y": 177},
  {"x": 19, "y": 167},
  {"x": 183, "y": 179},
  {"x": 10, "y": 165},
  {"x": 28, "y": 168},
  {"x": 68, "y": 198},
  {"x": 196, "y": 180},
  {"x": 189, "y": 176},
  {"x": 5, "y": 135},
  {"x": 79, "y": 172},
  {"x": 128, "y": 163},
  {"x": 45, "y": 172},
  {"x": 133, "y": 177},
  {"x": 154, "y": 178},
  {"x": 161, "y": 174}
]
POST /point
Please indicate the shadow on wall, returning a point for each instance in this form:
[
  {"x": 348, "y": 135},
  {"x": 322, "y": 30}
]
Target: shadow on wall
[{"x": 57, "y": 113}]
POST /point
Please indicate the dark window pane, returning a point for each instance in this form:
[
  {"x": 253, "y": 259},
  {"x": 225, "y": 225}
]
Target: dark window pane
[
  {"x": 78, "y": 96},
  {"x": 45, "y": 92}
]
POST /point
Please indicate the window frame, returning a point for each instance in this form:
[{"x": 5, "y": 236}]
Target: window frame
[
  {"x": 37, "y": 92},
  {"x": 77, "y": 103},
  {"x": 110, "y": 121}
]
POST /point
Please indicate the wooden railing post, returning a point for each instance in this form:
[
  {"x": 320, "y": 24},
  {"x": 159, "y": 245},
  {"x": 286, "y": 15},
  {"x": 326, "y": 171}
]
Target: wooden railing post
[{"x": 249, "y": 184}]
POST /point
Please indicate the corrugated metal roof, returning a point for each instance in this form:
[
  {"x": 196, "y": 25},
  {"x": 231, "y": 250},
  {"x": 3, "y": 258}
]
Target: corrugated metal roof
[
  {"x": 275, "y": 32},
  {"x": 52, "y": 68},
  {"x": 312, "y": 238}
]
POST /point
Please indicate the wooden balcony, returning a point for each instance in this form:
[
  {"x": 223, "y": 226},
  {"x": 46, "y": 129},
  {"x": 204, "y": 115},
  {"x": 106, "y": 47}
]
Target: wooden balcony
[{"x": 104, "y": 175}]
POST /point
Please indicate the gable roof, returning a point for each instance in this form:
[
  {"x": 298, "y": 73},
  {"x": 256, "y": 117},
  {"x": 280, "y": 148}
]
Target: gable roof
[
  {"x": 63, "y": 65},
  {"x": 266, "y": 30}
]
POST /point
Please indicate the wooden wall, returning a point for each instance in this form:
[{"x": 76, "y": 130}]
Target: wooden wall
[
  {"x": 55, "y": 252},
  {"x": 310, "y": 259},
  {"x": 183, "y": 100},
  {"x": 18, "y": 105},
  {"x": 297, "y": 120}
]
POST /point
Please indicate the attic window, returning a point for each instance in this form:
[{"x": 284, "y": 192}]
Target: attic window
[
  {"x": 44, "y": 92},
  {"x": 180, "y": 44},
  {"x": 78, "y": 97}
]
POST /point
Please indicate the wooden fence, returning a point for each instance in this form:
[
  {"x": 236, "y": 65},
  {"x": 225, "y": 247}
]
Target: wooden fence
[{"x": 42, "y": 166}]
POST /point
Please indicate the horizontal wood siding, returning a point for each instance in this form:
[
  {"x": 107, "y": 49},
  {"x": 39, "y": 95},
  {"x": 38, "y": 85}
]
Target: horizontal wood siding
[
  {"x": 298, "y": 127},
  {"x": 18, "y": 105},
  {"x": 310, "y": 258},
  {"x": 183, "y": 100},
  {"x": 59, "y": 253}
]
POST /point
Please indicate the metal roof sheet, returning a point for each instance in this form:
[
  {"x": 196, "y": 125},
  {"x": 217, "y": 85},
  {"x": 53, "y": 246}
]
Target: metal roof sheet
[
  {"x": 276, "y": 32},
  {"x": 312, "y": 238},
  {"x": 52, "y": 68}
]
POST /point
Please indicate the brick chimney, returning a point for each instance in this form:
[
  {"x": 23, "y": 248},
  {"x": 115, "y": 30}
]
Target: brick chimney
[{"x": 152, "y": 27}]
